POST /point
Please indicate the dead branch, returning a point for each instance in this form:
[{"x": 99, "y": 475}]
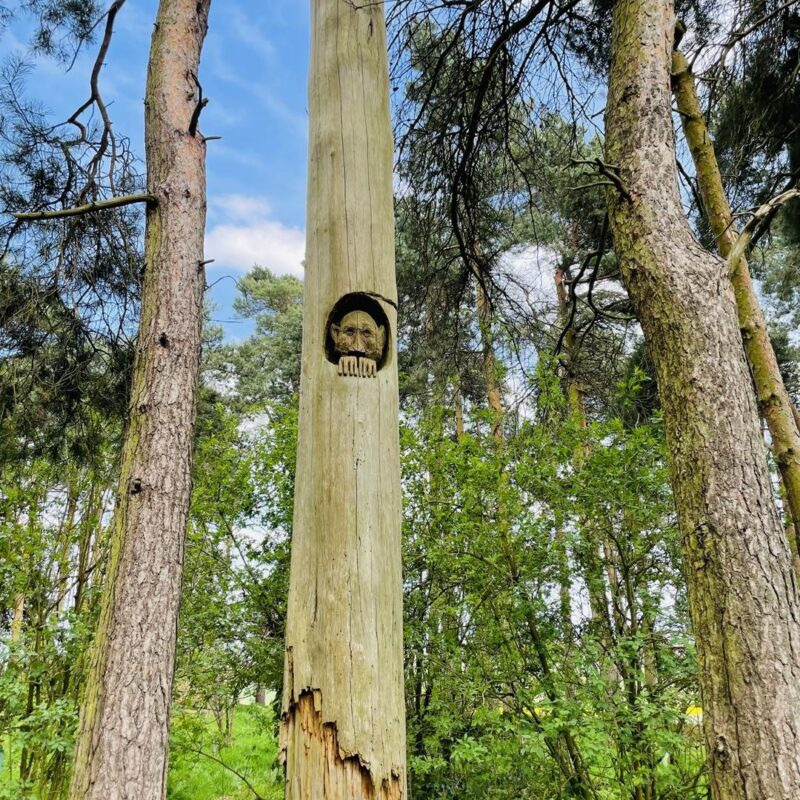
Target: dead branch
[
  {"x": 608, "y": 171},
  {"x": 99, "y": 205},
  {"x": 742, "y": 243},
  {"x": 229, "y": 768},
  {"x": 202, "y": 102}
]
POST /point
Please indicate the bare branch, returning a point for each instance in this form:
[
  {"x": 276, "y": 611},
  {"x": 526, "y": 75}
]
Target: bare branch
[
  {"x": 99, "y": 205},
  {"x": 230, "y": 769},
  {"x": 202, "y": 102},
  {"x": 608, "y": 171},
  {"x": 746, "y": 29},
  {"x": 742, "y": 243},
  {"x": 95, "y": 98}
]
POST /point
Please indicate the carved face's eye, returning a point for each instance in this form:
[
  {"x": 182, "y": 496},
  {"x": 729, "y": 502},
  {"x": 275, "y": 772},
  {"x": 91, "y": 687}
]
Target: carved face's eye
[
  {"x": 350, "y": 331},
  {"x": 367, "y": 334}
]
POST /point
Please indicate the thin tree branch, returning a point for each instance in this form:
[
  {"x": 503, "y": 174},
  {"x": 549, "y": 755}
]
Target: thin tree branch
[
  {"x": 99, "y": 205},
  {"x": 230, "y": 769},
  {"x": 96, "y": 98},
  {"x": 607, "y": 171},
  {"x": 742, "y": 243},
  {"x": 744, "y": 31},
  {"x": 202, "y": 102}
]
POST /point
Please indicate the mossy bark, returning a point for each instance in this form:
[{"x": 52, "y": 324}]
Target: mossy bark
[
  {"x": 121, "y": 751},
  {"x": 343, "y": 721},
  {"x": 743, "y": 593},
  {"x": 774, "y": 403}
]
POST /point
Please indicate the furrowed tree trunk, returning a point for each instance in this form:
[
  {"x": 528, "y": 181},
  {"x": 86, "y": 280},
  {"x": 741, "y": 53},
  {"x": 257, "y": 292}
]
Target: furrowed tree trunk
[
  {"x": 343, "y": 721},
  {"x": 121, "y": 751},
  {"x": 742, "y": 589},
  {"x": 774, "y": 403}
]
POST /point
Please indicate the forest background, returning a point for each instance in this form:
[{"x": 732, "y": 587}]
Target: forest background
[{"x": 547, "y": 646}]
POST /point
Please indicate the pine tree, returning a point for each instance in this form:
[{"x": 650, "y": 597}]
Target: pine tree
[
  {"x": 122, "y": 739},
  {"x": 742, "y": 590}
]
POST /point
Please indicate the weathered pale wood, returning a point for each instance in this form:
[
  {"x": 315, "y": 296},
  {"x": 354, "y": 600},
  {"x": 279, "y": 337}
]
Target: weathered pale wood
[
  {"x": 344, "y": 627},
  {"x": 121, "y": 752},
  {"x": 742, "y": 589}
]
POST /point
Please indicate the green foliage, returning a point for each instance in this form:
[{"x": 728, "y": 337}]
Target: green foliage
[
  {"x": 266, "y": 366},
  {"x": 196, "y": 751},
  {"x": 545, "y": 614},
  {"x": 236, "y": 572}
]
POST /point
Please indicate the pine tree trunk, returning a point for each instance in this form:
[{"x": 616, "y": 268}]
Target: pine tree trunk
[
  {"x": 121, "y": 752},
  {"x": 458, "y": 407},
  {"x": 576, "y": 402},
  {"x": 343, "y": 725},
  {"x": 742, "y": 590},
  {"x": 774, "y": 402},
  {"x": 494, "y": 395}
]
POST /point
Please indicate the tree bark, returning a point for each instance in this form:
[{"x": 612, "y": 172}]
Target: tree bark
[
  {"x": 742, "y": 589},
  {"x": 774, "y": 403},
  {"x": 573, "y": 390},
  {"x": 121, "y": 751},
  {"x": 494, "y": 394},
  {"x": 343, "y": 721},
  {"x": 18, "y": 617},
  {"x": 458, "y": 405}
]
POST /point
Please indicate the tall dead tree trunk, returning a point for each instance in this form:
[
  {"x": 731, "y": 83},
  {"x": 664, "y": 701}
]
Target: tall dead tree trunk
[
  {"x": 343, "y": 723},
  {"x": 774, "y": 402},
  {"x": 742, "y": 589},
  {"x": 121, "y": 752}
]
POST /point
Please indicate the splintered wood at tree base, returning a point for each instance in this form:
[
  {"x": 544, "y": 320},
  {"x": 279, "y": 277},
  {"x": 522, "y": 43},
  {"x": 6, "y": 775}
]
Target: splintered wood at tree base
[{"x": 319, "y": 769}]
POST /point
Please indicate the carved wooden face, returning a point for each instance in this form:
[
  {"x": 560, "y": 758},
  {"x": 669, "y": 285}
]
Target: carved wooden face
[{"x": 358, "y": 334}]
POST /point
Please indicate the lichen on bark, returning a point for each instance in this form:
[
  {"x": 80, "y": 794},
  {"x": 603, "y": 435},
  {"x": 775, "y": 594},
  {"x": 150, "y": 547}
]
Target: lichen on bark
[
  {"x": 742, "y": 589},
  {"x": 775, "y": 405},
  {"x": 122, "y": 744}
]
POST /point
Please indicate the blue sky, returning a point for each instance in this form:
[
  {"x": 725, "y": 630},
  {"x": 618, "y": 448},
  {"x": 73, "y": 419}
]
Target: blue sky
[{"x": 254, "y": 71}]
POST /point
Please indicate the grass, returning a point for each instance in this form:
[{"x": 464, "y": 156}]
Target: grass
[
  {"x": 195, "y": 771},
  {"x": 194, "y": 774}
]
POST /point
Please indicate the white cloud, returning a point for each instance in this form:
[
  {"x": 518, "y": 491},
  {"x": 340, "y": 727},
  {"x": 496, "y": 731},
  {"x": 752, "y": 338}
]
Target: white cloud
[
  {"x": 529, "y": 271},
  {"x": 240, "y": 207},
  {"x": 244, "y": 234}
]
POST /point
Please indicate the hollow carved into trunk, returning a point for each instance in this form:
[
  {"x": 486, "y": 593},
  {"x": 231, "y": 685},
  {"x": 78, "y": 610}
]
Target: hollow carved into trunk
[{"x": 343, "y": 725}]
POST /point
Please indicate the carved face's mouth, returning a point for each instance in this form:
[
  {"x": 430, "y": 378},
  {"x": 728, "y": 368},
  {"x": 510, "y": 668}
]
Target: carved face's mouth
[{"x": 358, "y": 353}]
